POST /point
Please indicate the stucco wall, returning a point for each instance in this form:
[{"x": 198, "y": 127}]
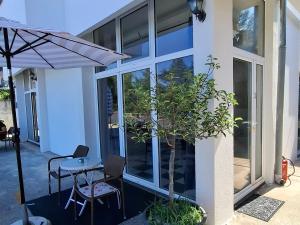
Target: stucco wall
[
  {"x": 65, "y": 110},
  {"x": 290, "y": 134}
]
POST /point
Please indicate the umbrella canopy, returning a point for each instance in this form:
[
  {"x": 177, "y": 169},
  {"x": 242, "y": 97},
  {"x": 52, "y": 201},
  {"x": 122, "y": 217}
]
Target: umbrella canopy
[
  {"x": 43, "y": 48},
  {"x": 22, "y": 46}
]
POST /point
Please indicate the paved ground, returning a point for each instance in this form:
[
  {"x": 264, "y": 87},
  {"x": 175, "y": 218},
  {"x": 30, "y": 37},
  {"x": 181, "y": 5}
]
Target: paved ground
[
  {"x": 288, "y": 214},
  {"x": 36, "y": 185},
  {"x": 35, "y": 179}
]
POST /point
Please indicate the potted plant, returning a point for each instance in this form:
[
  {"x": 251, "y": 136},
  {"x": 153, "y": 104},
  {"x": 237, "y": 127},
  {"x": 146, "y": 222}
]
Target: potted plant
[{"x": 187, "y": 107}]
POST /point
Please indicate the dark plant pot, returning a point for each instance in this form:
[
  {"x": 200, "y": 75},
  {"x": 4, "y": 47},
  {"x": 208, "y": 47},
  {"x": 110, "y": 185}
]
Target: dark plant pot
[{"x": 202, "y": 222}]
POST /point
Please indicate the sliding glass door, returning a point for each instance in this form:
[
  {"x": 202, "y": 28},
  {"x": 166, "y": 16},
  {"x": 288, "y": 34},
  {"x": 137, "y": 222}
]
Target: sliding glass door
[
  {"x": 108, "y": 116},
  {"x": 248, "y": 88}
]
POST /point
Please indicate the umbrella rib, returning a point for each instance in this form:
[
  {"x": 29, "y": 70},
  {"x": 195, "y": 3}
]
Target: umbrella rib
[
  {"x": 28, "y": 44},
  {"x": 33, "y": 46},
  {"x": 36, "y": 51},
  {"x": 104, "y": 49},
  {"x": 13, "y": 40},
  {"x": 66, "y": 48}
]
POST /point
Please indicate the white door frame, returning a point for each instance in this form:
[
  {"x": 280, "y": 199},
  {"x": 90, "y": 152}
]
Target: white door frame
[{"x": 254, "y": 60}]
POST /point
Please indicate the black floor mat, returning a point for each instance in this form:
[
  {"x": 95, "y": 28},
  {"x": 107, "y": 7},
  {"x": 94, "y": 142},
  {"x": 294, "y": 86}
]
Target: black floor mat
[
  {"x": 136, "y": 200},
  {"x": 261, "y": 207}
]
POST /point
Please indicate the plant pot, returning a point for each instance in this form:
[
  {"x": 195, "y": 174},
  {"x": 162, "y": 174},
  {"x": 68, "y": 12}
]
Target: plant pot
[{"x": 145, "y": 214}]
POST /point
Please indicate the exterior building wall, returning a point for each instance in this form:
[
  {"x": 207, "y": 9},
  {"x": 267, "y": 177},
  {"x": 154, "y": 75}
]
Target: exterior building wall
[
  {"x": 290, "y": 133},
  {"x": 65, "y": 110}
]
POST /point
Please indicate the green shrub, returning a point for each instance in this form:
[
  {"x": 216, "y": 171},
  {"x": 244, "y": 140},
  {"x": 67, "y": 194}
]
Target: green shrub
[
  {"x": 4, "y": 95},
  {"x": 181, "y": 213}
]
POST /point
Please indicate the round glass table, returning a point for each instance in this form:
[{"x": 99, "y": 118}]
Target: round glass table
[{"x": 78, "y": 165}]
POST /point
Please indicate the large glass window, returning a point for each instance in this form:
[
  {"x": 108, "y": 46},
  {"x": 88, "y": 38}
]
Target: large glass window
[
  {"x": 108, "y": 116},
  {"x": 135, "y": 34},
  {"x": 248, "y": 25},
  {"x": 174, "y": 26},
  {"x": 139, "y": 155},
  {"x": 184, "y": 175},
  {"x": 106, "y": 36},
  {"x": 242, "y": 76}
]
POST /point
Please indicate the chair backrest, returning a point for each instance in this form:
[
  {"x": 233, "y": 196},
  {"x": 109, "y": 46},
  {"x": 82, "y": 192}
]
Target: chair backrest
[
  {"x": 114, "y": 166},
  {"x": 11, "y": 130},
  {"x": 81, "y": 151}
]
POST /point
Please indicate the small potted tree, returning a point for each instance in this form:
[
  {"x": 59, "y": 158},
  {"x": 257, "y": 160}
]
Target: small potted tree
[{"x": 187, "y": 107}]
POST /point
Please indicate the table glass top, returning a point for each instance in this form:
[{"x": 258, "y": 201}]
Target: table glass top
[{"x": 80, "y": 163}]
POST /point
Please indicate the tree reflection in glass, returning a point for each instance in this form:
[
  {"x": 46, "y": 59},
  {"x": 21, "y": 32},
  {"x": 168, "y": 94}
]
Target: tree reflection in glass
[{"x": 139, "y": 155}]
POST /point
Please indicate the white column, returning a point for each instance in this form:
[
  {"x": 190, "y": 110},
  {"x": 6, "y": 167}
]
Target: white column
[
  {"x": 90, "y": 103},
  {"x": 214, "y": 157},
  {"x": 270, "y": 87},
  {"x": 42, "y": 111},
  {"x": 21, "y": 107}
]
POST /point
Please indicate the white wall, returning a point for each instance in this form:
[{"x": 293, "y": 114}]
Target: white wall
[
  {"x": 65, "y": 110},
  {"x": 290, "y": 134},
  {"x": 81, "y": 14}
]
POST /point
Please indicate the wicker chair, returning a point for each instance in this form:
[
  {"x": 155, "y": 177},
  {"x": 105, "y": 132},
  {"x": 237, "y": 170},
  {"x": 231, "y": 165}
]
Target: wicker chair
[
  {"x": 81, "y": 151},
  {"x": 113, "y": 171}
]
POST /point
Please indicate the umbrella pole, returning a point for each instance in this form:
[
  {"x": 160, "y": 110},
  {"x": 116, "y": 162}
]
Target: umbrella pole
[
  {"x": 14, "y": 115},
  {"x": 17, "y": 136}
]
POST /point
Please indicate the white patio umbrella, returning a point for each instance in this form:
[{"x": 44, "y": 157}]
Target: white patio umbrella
[{"x": 22, "y": 46}]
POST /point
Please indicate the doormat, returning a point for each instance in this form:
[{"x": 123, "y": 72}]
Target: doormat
[{"x": 262, "y": 208}]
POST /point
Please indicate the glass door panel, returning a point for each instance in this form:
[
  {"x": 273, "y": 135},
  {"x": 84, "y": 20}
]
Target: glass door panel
[
  {"x": 108, "y": 116},
  {"x": 242, "y": 76},
  {"x": 139, "y": 155},
  {"x": 29, "y": 116},
  {"x": 258, "y": 130},
  {"x": 35, "y": 129}
]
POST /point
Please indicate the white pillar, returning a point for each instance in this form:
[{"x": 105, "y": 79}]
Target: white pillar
[
  {"x": 42, "y": 111},
  {"x": 214, "y": 157},
  {"x": 270, "y": 87},
  {"x": 21, "y": 107},
  {"x": 90, "y": 104}
]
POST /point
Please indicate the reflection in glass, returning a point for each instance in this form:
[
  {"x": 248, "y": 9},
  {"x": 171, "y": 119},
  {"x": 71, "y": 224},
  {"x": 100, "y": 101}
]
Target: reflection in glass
[
  {"x": 174, "y": 26},
  {"x": 139, "y": 155},
  {"x": 106, "y": 36},
  {"x": 242, "y": 134},
  {"x": 248, "y": 25},
  {"x": 259, "y": 104},
  {"x": 184, "y": 176},
  {"x": 32, "y": 120},
  {"x": 135, "y": 35},
  {"x": 108, "y": 116}
]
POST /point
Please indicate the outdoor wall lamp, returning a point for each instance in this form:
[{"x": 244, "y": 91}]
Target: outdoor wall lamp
[
  {"x": 32, "y": 75},
  {"x": 196, "y": 7}
]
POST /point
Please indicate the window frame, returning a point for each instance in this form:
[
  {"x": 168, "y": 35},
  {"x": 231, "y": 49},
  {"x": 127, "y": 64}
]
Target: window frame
[{"x": 139, "y": 64}]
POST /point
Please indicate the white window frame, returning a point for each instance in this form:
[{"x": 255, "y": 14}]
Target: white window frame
[{"x": 147, "y": 62}]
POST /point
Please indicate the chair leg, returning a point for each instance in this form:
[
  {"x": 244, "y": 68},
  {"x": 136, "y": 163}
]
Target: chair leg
[
  {"x": 49, "y": 183},
  {"x": 123, "y": 200},
  {"x": 59, "y": 185},
  {"x": 92, "y": 211},
  {"x": 75, "y": 206}
]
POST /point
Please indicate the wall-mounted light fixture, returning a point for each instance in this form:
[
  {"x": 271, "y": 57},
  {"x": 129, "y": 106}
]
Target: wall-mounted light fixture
[
  {"x": 32, "y": 75},
  {"x": 196, "y": 7}
]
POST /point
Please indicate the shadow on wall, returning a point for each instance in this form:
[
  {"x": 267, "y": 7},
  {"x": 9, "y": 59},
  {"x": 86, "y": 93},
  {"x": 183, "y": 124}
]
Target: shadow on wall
[{"x": 5, "y": 113}]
